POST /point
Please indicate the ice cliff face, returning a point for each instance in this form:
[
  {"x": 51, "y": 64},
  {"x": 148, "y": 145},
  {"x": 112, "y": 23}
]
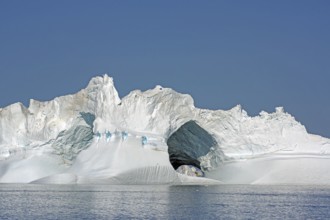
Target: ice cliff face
[{"x": 69, "y": 126}]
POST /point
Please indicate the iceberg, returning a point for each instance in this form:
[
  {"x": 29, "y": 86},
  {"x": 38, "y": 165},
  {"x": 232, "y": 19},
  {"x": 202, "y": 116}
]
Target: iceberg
[{"x": 154, "y": 137}]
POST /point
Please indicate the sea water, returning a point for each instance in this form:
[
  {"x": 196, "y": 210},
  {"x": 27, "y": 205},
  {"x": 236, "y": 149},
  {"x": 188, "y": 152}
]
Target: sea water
[{"x": 26, "y": 201}]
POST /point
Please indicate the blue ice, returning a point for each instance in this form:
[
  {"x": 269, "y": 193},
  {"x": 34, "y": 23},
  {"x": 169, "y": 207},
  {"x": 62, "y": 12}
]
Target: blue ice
[
  {"x": 124, "y": 135},
  {"x": 144, "y": 140}
]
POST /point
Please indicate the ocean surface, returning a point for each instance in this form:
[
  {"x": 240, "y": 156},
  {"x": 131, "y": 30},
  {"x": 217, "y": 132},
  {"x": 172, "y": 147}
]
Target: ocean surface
[{"x": 25, "y": 201}]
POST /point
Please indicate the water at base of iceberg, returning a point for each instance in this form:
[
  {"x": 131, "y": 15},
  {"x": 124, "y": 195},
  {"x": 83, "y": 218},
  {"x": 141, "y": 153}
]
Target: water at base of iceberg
[{"x": 29, "y": 201}]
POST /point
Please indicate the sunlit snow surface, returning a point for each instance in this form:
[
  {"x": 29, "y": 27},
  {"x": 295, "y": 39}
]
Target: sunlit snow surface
[{"x": 94, "y": 136}]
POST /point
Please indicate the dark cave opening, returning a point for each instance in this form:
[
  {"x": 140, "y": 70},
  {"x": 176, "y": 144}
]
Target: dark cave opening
[{"x": 189, "y": 143}]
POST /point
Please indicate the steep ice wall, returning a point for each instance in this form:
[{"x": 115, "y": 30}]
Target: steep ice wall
[
  {"x": 157, "y": 111},
  {"x": 42, "y": 121}
]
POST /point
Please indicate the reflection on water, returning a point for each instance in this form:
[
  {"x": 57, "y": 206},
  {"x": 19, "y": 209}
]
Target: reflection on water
[{"x": 163, "y": 202}]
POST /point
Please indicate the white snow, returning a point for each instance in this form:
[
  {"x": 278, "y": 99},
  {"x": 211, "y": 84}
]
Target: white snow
[{"x": 47, "y": 142}]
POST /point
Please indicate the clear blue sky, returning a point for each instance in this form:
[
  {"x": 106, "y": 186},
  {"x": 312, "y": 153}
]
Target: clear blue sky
[{"x": 260, "y": 54}]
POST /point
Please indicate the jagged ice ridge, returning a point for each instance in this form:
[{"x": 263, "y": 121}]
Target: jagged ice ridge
[{"x": 93, "y": 136}]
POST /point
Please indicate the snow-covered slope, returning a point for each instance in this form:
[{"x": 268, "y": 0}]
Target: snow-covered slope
[{"x": 94, "y": 136}]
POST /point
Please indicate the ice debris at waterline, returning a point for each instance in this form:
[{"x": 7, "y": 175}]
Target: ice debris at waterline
[
  {"x": 93, "y": 136},
  {"x": 190, "y": 170}
]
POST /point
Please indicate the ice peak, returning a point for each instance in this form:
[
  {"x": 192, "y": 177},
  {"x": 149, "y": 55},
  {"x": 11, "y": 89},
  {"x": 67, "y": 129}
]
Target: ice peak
[
  {"x": 159, "y": 87},
  {"x": 279, "y": 110},
  {"x": 100, "y": 81},
  {"x": 105, "y": 89}
]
